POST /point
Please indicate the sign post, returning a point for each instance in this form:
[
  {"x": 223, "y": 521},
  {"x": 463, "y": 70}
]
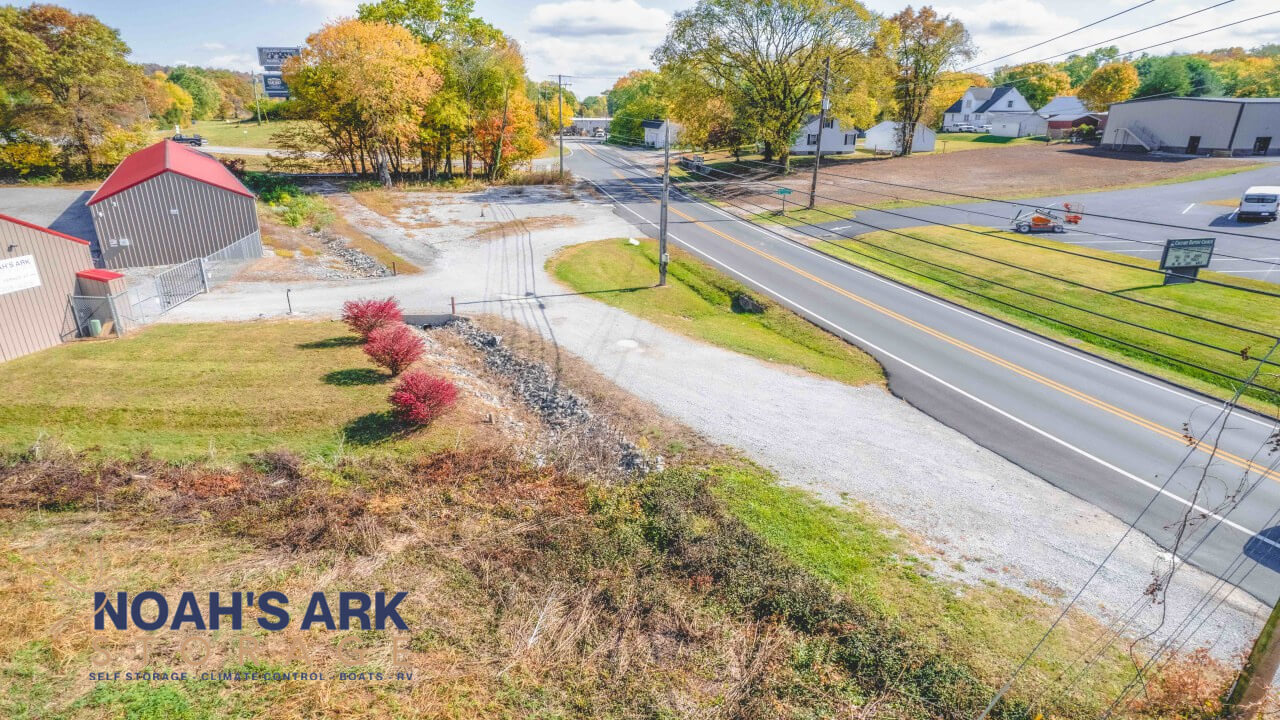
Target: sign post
[
  {"x": 784, "y": 192},
  {"x": 1183, "y": 258}
]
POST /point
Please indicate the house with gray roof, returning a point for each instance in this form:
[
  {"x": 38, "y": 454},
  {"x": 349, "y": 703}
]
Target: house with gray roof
[{"x": 978, "y": 105}]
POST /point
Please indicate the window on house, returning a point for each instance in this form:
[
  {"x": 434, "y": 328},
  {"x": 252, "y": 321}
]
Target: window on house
[
  {"x": 829, "y": 123},
  {"x": 1009, "y": 104},
  {"x": 966, "y": 117},
  {"x": 850, "y": 138},
  {"x": 813, "y": 139}
]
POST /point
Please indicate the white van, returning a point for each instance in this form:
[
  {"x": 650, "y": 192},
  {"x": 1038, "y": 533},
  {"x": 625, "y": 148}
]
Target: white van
[{"x": 1259, "y": 203}]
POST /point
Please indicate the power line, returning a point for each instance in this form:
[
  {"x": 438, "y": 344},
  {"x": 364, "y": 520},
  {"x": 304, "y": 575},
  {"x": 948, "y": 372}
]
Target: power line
[
  {"x": 965, "y": 209},
  {"x": 1015, "y": 203},
  {"x": 1021, "y": 309},
  {"x": 1059, "y": 37},
  {"x": 998, "y": 236}
]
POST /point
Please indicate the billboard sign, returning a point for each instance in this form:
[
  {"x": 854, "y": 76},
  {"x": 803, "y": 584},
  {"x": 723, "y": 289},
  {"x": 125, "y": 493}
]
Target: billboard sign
[
  {"x": 1183, "y": 258},
  {"x": 273, "y": 84},
  {"x": 271, "y": 58},
  {"x": 18, "y": 273}
]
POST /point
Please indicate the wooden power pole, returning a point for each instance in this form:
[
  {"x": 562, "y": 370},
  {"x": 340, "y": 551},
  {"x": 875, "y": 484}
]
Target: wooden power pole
[
  {"x": 822, "y": 120},
  {"x": 666, "y": 194},
  {"x": 560, "y": 119},
  {"x": 1244, "y": 702}
]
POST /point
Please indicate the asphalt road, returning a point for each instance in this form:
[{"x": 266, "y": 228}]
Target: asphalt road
[
  {"x": 1104, "y": 433},
  {"x": 1148, "y": 217}
]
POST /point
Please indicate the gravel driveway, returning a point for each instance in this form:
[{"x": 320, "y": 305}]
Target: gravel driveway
[{"x": 986, "y": 519}]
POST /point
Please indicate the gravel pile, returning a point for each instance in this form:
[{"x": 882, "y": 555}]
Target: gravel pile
[
  {"x": 362, "y": 264},
  {"x": 560, "y": 409}
]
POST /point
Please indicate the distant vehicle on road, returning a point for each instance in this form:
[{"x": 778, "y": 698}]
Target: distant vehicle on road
[
  {"x": 598, "y": 133},
  {"x": 192, "y": 140},
  {"x": 1259, "y": 203}
]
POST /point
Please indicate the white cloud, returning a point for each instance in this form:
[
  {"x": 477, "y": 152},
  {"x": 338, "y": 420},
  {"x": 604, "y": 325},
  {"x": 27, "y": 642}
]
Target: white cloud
[
  {"x": 242, "y": 62},
  {"x": 586, "y": 18},
  {"x": 213, "y": 46},
  {"x": 1000, "y": 27}
]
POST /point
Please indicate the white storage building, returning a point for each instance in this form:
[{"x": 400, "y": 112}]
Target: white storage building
[
  {"x": 884, "y": 137},
  {"x": 1196, "y": 126}
]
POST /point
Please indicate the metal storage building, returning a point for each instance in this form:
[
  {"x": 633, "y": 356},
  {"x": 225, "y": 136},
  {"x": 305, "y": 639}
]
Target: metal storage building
[
  {"x": 38, "y": 270},
  {"x": 168, "y": 204},
  {"x": 1196, "y": 126}
]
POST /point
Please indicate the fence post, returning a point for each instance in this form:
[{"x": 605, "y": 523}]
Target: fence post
[
  {"x": 204, "y": 276},
  {"x": 116, "y": 325}
]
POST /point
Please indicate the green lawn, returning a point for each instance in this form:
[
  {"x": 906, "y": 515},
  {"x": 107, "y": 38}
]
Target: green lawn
[
  {"x": 697, "y": 302},
  {"x": 939, "y": 245},
  {"x": 218, "y": 391},
  {"x": 952, "y": 142},
  {"x": 242, "y": 133}
]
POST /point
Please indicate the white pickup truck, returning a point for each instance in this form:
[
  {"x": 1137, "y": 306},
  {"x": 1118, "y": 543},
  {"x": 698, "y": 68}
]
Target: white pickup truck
[{"x": 1259, "y": 203}]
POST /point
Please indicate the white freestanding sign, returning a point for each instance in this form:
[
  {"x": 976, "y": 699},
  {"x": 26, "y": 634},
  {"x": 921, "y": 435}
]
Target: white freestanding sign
[{"x": 18, "y": 273}]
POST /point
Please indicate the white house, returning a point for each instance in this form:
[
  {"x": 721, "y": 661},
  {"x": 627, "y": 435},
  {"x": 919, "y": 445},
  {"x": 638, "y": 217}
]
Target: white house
[
  {"x": 836, "y": 138},
  {"x": 977, "y": 105},
  {"x": 885, "y": 137},
  {"x": 655, "y": 132}
]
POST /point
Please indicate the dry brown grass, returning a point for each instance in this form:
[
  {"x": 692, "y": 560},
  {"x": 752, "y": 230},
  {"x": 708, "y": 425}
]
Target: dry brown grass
[{"x": 519, "y": 226}]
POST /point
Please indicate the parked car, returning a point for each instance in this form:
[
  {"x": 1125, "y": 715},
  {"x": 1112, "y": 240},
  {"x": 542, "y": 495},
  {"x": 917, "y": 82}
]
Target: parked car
[
  {"x": 983, "y": 129},
  {"x": 1260, "y": 202},
  {"x": 192, "y": 140},
  {"x": 966, "y": 128}
]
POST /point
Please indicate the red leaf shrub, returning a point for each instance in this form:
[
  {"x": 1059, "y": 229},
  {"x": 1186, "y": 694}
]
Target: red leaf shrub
[
  {"x": 365, "y": 316},
  {"x": 394, "y": 347},
  {"x": 420, "y": 398}
]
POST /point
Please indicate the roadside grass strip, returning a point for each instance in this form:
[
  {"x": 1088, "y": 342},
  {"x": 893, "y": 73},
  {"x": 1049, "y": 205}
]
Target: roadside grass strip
[{"x": 699, "y": 302}]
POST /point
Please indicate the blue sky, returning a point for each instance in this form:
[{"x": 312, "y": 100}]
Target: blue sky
[{"x": 601, "y": 39}]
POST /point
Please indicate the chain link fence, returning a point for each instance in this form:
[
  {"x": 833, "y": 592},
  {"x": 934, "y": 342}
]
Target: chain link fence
[{"x": 149, "y": 297}]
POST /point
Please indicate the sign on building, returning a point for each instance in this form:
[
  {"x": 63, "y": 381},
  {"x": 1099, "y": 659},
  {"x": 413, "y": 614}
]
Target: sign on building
[
  {"x": 18, "y": 273},
  {"x": 274, "y": 86},
  {"x": 271, "y": 58},
  {"x": 1183, "y": 258}
]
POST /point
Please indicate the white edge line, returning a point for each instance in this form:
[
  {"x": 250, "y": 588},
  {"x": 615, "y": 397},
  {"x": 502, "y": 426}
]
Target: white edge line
[{"x": 1173, "y": 496}]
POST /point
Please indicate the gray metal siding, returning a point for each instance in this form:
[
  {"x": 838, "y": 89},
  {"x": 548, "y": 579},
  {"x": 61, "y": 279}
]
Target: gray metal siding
[
  {"x": 208, "y": 219},
  {"x": 39, "y": 317}
]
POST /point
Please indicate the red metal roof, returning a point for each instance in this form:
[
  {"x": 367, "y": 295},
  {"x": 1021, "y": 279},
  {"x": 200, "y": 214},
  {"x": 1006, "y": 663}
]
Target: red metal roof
[
  {"x": 100, "y": 275},
  {"x": 33, "y": 226},
  {"x": 168, "y": 156}
]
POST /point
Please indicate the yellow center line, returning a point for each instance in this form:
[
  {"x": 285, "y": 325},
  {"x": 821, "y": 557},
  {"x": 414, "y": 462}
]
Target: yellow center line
[{"x": 1013, "y": 367}]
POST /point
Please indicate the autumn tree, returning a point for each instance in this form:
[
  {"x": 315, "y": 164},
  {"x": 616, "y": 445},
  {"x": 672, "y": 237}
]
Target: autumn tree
[
  {"x": 925, "y": 45},
  {"x": 634, "y": 98},
  {"x": 1037, "y": 82},
  {"x": 368, "y": 85},
  {"x": 77, "y": 90},
  {"x": 593, "y": 106},
  {"x": 765, "y": 58},
  {"x": 1080, "y": 67},
  {"x": 1108, "y": 84},
  {"x": 950, "y": 87},
  {"x": 206, "y": 96},
  {"x": 1162, "y": 76}
]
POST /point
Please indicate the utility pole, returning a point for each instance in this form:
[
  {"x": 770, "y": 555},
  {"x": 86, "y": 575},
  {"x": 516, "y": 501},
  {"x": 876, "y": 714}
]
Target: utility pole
[
  {"x": 822, "y": 120},
  {"x": 256, "y": 102},
  {"x": 560, "y": 120},
  {"x": 666, "y": 195},
  {"x": 502, "y": 134},
  {"x": 1244, "y": 702}
]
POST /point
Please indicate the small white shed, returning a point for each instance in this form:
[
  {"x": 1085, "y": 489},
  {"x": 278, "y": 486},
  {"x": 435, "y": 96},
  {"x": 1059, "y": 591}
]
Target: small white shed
[{"x": 884, "y": 137}]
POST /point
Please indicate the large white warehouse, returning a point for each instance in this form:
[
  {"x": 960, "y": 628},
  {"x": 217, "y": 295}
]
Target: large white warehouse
[{"x": 1196, "y": 126}]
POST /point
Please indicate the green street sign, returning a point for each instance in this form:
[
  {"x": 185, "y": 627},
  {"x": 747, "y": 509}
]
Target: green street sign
[{"x": 784, "y": 191}]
